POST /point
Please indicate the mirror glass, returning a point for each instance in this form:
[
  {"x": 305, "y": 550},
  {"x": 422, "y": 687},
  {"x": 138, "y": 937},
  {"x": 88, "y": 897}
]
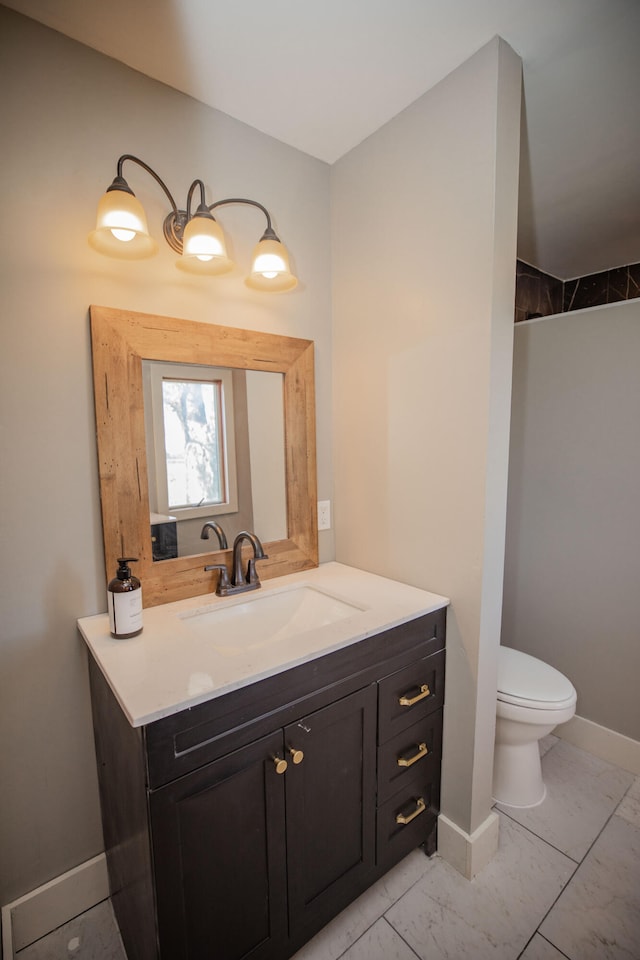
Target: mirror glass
[
  {"x": 215, "y": 451},
  {"x": 284, "y": 513}
]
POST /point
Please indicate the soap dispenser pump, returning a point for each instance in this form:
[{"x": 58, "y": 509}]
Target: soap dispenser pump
[{"x": 124, "y": 600}]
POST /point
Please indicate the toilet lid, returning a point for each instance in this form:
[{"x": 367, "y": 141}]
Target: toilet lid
[{"x": 527, "y": 681}]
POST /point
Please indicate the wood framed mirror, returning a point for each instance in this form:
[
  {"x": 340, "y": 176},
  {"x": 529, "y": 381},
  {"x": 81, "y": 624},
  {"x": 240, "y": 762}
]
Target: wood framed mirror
[{"x": 121, "y": 340}]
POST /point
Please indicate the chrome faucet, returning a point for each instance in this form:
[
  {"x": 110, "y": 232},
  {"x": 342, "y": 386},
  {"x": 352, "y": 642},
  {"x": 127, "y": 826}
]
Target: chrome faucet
[
  {"x": 239, "y": 583},
  {"x": 217, "y": 529}
]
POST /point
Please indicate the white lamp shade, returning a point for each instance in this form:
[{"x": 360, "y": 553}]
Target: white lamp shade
[
  {"x": 203, "y": 247},
  {"x": 270, "y": 267},
  {"x": 121, "y": 227}
]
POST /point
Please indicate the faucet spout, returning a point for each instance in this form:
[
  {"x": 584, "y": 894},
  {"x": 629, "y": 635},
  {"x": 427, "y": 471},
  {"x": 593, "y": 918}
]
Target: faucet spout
[
  {"x": 219, "y": 532},
  {"x": 252, "y": 581}
]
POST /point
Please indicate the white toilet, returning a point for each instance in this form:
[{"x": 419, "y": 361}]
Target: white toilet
[{"x": 533, "y": 698}]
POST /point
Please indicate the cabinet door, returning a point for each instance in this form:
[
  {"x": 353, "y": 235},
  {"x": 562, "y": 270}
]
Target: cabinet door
[
  {"x": 330, "y": 808},
  {"x": 220, "y": 861}
]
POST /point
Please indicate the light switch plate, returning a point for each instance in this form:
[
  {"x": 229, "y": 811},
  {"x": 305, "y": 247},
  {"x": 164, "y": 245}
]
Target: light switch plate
[{"x": 324, "y": 514}]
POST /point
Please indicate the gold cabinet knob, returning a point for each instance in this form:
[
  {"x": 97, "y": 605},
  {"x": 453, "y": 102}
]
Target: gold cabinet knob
[
  {"x": 280, "y": 764},
  {"x": 296, "y": 755}
]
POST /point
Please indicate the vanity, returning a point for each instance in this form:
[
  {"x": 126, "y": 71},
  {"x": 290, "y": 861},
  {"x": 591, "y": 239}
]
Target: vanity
[
  {"x": 254, "y": 783},
  {"x": 263, "y": 758}
]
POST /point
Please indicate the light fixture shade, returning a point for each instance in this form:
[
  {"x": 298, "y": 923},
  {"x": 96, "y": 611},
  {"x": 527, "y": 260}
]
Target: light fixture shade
[
  {"x": 270, "y": 267},
  {"x": 203, "y": 247},
  {"x": 121, "y": 227}
]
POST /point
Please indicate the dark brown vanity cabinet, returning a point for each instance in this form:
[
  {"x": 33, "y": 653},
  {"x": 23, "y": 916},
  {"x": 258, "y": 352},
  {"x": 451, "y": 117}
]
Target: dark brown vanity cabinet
[{"x": 239, "y": 827}]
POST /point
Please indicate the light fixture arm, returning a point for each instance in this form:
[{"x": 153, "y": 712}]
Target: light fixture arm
[
  {"x": 151, "y": 171},
  {"x": 203, "y": 200},
  {"x": 269, "y": 233}
]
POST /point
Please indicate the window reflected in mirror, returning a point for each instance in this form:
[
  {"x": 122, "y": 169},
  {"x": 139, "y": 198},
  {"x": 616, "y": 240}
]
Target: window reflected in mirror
[
  {"x": 215, "y": 451},
  {"x": 196, "y": 459}
]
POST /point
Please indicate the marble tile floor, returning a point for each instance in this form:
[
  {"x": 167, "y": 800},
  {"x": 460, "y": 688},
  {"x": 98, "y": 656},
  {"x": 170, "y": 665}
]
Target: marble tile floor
[{"x": 565, "y": 883}]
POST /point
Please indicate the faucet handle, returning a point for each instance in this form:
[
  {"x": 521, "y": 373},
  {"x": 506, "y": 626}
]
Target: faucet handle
[
  {"x": 252, "y": 573},
  {"x": 224, "y": 584}
]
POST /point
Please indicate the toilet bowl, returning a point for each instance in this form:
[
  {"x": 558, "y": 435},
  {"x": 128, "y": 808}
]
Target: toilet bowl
[{"x": 533, "y": 698}]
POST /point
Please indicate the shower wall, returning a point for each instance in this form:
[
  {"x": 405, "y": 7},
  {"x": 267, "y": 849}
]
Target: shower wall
[{"x": 573, "y": 525}]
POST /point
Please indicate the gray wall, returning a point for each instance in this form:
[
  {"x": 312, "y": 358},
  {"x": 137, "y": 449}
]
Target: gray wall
[
  {"x": 572, "y": 571},
  {"x": 422, "y": 376},
  {"x": 66, "y": 114}
]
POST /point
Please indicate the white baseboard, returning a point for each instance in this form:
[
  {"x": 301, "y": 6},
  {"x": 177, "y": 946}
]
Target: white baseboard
[
  {"x": 468, "y": 853},
  {"x": 601, "y": 742},
  {"x": 43, "y": 910}
]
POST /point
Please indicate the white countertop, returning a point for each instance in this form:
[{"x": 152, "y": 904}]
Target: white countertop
[{"x": 171, "y": 666}]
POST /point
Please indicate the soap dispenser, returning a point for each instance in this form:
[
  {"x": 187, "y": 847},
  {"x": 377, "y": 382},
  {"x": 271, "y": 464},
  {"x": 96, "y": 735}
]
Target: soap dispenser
[{"x": 124, "y": 600}]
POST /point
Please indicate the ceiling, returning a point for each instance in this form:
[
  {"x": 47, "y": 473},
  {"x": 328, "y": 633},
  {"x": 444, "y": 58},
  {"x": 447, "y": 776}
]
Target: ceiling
[{"x": 324, "y": 76}]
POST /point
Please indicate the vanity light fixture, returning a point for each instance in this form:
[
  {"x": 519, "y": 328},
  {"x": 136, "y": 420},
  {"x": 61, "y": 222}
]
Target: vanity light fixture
[{"x": 121, "y": 231}]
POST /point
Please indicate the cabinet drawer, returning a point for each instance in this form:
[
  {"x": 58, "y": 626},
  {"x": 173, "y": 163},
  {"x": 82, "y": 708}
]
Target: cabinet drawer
[
  {"x": 408, "y": 755},
  {"x": 410, "y": 695},
  {"x": 408, "y": 818}
]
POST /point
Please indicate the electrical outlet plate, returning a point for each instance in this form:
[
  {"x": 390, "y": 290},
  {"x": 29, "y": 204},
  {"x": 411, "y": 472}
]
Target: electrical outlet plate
[{"x": 324, "y": 514}]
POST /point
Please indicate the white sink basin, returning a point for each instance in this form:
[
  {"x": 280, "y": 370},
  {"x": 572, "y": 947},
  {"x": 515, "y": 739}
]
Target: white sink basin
[{"x": 233, "y": 627}]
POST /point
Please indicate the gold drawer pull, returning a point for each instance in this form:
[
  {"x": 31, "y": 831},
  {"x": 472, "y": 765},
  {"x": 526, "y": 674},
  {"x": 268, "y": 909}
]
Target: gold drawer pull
[
  {"x": 280, "y": 764},
  {"x": 296, "y": 755},
  {"x": 406, "y": 701},
  {"x": 420, "y": 808},
  {"x": 408, "y": 761}
]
